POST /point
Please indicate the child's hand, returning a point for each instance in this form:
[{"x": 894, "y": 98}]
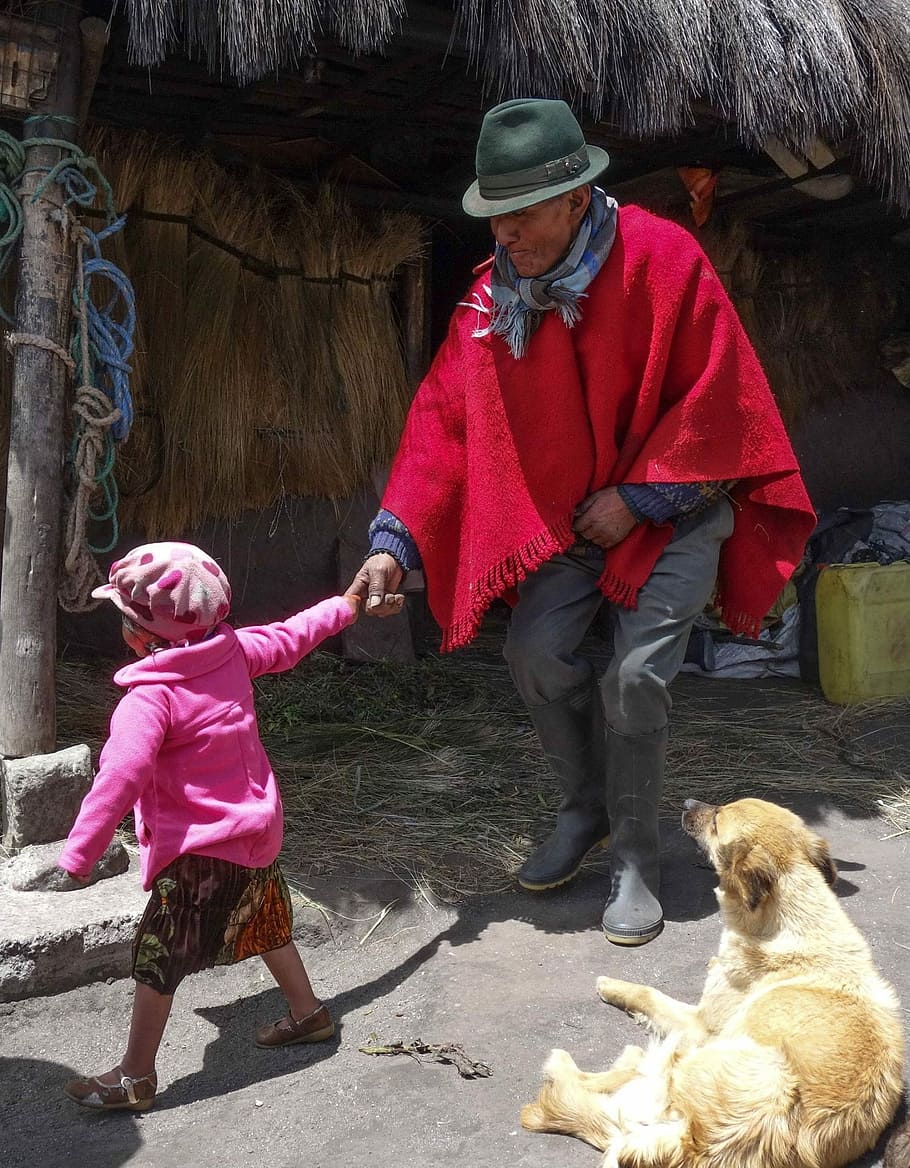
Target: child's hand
[{"x": 355, "y": 604}]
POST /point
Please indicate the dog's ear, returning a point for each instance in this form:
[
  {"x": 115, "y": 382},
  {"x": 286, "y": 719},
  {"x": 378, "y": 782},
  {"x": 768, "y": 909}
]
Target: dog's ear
[
  {"x": 747, "y": 871},
  {"x": 820, "y": 857}
]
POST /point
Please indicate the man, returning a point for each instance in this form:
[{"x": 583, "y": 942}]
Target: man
[{"x": 596, "y": 424}]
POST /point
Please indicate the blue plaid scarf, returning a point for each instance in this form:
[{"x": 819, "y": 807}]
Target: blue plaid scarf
[{"x": 520, "y": 301}]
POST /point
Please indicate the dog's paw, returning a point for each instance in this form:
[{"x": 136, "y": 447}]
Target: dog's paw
[
  {"x": 611, "y": 990},
  {"x": 559, "y": 1064}
]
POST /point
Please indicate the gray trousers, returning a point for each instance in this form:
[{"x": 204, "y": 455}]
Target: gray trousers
[{"x": 559, "y": 601}]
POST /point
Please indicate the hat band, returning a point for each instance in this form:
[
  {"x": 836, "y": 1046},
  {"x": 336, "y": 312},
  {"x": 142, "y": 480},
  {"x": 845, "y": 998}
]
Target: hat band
[{"x": 522, "y": 182}]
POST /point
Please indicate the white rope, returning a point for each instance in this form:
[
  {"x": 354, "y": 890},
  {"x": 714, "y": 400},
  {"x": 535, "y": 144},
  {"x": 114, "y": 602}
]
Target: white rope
[
  {"x": 38, "y": 342},
  {"x": 94, "y": 407}
]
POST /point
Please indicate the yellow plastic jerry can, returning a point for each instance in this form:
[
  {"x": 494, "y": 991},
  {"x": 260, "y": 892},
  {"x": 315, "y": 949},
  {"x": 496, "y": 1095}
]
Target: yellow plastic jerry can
[{"x": 863, "y": 616}]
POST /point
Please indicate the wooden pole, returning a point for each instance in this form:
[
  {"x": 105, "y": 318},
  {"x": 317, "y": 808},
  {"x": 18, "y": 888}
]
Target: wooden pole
[
  {"x": 415, "y": 312},
  {"x": 93, "y": 32},
  {"x": 34, "y": 491}
]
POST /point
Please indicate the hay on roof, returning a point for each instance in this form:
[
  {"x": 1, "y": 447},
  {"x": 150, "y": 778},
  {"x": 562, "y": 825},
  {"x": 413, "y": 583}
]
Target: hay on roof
[
  {"x": 795, "y": 69},
  {"x": 249, "y": 40}
]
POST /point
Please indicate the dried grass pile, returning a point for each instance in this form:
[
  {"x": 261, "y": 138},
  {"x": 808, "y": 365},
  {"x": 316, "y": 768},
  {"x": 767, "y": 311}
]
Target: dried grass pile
[
  {"x": 815, "y": 343},
  {"x": 432, "y": 771},
  {"x": 269, "y": 359}
]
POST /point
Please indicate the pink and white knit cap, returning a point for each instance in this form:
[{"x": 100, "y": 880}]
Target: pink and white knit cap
[{"x": 174, "y": 590}]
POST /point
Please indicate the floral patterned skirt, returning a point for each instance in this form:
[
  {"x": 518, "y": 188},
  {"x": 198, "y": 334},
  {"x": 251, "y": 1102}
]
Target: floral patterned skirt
[{"x": 204, "y": 912}]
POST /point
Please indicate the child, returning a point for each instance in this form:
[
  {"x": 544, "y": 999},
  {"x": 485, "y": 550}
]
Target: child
[{"x": 184, "y": 751}]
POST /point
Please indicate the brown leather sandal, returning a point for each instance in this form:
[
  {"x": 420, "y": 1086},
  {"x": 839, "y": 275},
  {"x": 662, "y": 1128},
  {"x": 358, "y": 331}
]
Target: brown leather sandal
[
  {"x": 317, "y": 1026},
  {"x": 126, "y": 1095}
]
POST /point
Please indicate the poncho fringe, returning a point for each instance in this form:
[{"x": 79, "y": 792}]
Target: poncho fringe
[
  {"x": 657, "y": 382},
  {"x": 501, "y": 578}
]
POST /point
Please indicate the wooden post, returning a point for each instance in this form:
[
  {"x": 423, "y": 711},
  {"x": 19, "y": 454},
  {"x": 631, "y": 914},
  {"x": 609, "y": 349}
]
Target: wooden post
[
  {"x": 415, "y": 312},
  {"x": 34, "y": 491},
  {"x": 391, "y": 638},
  {"x": 93, "y": 32}
]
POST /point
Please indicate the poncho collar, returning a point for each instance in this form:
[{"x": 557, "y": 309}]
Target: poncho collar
[{"x": 520, "y": 301}]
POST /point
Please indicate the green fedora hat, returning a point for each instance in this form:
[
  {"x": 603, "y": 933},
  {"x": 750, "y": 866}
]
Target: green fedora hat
[{"x": 530, "y": 149}]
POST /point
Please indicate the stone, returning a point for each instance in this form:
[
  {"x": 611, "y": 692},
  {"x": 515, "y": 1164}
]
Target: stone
[
  {"x": 34, "y": 869},
  {"x": 54, "y": 941},
  {"x": 41, "y": 795}
]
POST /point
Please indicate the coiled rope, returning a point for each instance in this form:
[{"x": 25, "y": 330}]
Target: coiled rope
[
  {"x": 99, "y": 355},
  {"x": 12, "y": 163}
]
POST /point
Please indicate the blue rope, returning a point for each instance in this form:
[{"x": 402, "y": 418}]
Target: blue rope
[
  {"x": 72, "y": 172},
  {"x": 110, "y": 329}
]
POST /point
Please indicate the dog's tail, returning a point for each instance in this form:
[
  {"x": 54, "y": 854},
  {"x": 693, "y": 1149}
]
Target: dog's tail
[{"x": 567, "y": 1106}]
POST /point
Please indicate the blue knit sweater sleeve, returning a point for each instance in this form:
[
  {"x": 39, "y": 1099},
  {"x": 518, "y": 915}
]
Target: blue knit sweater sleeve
[
  {"x": 388, "y": 534},
  {"x": 664, "y": 502}
]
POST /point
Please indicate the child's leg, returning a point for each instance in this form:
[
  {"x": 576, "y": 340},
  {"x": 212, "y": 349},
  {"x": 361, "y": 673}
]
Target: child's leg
[
  {"x": 287, "y": 968},
  {"x": 133, "y": 1083},
  {"x": 150, "y": 1015},
  {"x": 307, "y": 1020}
]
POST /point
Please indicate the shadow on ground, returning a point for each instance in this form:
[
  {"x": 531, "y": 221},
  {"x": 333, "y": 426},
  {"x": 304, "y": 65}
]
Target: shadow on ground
[
  {"x": 38, "y": 1122},
  {"x": 688, "y": 900}
]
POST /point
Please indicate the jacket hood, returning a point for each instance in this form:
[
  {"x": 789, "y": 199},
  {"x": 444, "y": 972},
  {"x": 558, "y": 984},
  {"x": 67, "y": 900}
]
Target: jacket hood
[{"x": 181, "y": 662}]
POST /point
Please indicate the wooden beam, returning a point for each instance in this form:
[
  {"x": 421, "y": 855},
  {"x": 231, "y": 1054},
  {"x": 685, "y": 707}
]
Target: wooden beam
[
  {"x": 417, "y": 97},
  {"x": 34, "y": 492},
  {"x": 415, "y": 312}
]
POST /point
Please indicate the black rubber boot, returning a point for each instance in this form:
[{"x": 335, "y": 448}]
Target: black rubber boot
[
  {"x": 633, "y": 915},
  {"x": 571, "y": 732}
]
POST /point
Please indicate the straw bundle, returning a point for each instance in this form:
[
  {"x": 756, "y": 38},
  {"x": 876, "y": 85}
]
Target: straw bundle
[
  {"x": 433, "y": 771},
  {"x": 264, "y": 369},
  {"x": 157, "y": 264},
  {"x": 814, "y": 343},
  {"x": 310, "y": 244},
  {"x": 223, "y": 363}
]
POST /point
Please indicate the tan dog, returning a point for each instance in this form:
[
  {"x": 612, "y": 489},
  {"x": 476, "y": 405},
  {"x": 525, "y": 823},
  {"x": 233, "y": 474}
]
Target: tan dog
[{"x": 793, "y": 1058}]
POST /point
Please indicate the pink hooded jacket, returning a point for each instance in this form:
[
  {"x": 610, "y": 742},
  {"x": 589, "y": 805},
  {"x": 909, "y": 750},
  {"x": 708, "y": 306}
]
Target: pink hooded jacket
[{"x": 184, "y": 749}]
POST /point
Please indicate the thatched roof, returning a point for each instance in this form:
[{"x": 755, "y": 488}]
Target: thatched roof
[{"x": 791, "y": 69}]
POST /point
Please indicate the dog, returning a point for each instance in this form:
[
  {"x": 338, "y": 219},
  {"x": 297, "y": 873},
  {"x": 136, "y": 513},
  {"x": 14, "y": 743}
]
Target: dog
[{"x": 793, "y": 1057}]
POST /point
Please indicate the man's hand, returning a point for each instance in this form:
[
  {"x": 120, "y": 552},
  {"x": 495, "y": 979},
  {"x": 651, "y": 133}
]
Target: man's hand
[
  {"x": 376, "y": 584},
  {"x": 603, "y": 518}
]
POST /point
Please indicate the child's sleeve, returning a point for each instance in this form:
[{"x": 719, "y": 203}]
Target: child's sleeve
[
  {"x": 279, "y": 646},
  {"x": 127, "y": 764}
]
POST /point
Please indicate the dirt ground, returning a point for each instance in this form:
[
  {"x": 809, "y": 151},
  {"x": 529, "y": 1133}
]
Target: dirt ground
[{"x": 506, "y": 977}]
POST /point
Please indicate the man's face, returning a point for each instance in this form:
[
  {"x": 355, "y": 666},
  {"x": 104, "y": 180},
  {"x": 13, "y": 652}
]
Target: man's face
[{"x": 539, "y": 236}]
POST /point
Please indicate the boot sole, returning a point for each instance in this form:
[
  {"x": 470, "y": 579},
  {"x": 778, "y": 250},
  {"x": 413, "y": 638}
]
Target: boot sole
[
  {"x": 536, "y": 887},
  {"x": 631, "y": 939}
]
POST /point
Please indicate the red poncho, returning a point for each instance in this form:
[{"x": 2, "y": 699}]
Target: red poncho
[{"x": 656, "y": 383}]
